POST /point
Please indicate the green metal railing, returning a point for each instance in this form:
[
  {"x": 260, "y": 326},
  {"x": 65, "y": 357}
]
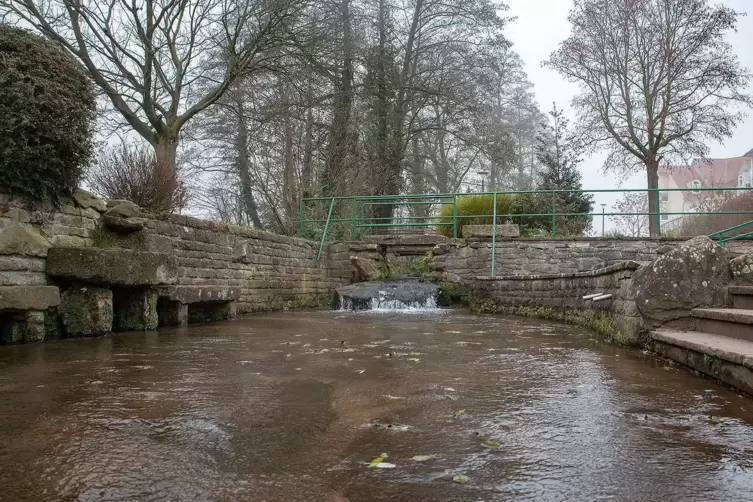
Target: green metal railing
[{"x": 360, "y": 221}]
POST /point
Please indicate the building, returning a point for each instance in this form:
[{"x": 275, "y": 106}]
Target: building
[{"x": 708, "y": 173}]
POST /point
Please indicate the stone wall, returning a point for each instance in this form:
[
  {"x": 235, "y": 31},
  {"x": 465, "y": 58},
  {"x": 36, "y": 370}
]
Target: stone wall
[
  {"x": 560, "y": 297},
  {"x": 259, "y": 271},
  {"x": 463, "y": 261}
]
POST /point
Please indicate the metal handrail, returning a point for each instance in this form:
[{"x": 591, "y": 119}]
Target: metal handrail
[{"x": 360, "y": 221}]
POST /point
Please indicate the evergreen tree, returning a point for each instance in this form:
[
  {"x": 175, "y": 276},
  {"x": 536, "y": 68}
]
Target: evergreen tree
[{"x": 557, "y": 154}]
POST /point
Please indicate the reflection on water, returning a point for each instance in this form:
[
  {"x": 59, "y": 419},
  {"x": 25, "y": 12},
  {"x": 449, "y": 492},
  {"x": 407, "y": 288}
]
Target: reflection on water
[{"x": 294, "y": 406}]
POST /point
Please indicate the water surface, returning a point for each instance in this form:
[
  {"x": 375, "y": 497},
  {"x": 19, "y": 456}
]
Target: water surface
[{"x": 294, "y": 406}]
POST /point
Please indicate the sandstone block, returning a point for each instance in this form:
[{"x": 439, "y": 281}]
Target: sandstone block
[
  {"x": 200, "y": 294},
  {"x": 484, "y": 231},
  {"x": 23, "y": 241},
  {"x": 742, "y": 269},
  {"x": 29, "y": 297},
  {"x": 87, "y": 200},
  {"x": 693, "y": 275},
  {"x": 86, "y": 310},
  {"x": 123, "y": 267}
]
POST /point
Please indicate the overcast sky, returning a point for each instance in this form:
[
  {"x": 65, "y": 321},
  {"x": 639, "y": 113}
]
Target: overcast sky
[{"x": 537, "y": 31}]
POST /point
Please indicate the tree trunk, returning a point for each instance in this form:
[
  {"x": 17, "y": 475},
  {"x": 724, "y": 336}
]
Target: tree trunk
[
  {"x": 168, "y": 194},
  {"x": 250, "y": 209},
  {"x": 340, "y": 138},
  {"x": 652, "y": 175}
]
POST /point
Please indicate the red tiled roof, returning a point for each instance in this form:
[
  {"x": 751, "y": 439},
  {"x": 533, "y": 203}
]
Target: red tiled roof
[{"x": 712, "y": 173}]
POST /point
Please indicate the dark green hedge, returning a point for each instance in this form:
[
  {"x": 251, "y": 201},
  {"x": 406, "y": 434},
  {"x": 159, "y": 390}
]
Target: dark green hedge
[{"x": 47, "y": 112}]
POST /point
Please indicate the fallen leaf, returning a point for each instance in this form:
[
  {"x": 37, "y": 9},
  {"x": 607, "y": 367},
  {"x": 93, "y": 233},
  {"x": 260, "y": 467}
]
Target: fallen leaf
[
  {"x": 349, "y": 350},
  {"x": 449, "y": 389},
  {"x": 390, "y": 396},
  {"x": 458, "y": 414},
  {"x": 461, "y": 478},
  {"x": 414, "y": 359},
  {"x": 376, "y": 462},
  {"x": 361, "y": 372},
  {"x": 491, "y": 444},
  {"x": 422, "y": 458}
]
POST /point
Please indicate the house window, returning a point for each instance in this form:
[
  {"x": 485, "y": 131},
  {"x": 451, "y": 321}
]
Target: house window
[{"x": 696, "y": 186}]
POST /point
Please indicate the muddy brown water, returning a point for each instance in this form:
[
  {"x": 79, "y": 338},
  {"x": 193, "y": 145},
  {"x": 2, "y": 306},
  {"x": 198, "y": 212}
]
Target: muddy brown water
[{"x": 294, "y": 406}]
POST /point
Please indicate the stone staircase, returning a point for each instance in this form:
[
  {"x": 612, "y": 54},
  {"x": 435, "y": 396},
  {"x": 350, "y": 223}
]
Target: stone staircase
[{"x": 721, "y": 342}]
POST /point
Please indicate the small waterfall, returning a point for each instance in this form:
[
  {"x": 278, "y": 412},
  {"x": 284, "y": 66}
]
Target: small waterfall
[{"x": 398, "y": 294}]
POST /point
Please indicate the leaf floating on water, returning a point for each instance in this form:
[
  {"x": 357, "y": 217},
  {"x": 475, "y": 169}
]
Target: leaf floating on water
[
  {"x": 461, "y": 478},
  {"x": 422, "y": 458},
  {"x": 458, "y": 414},
  {"x": 376, "y": 462},
  {"x": 298, "y": 369},
  {"x": 361, "y": 372},
  {"x": 349, "y": 350},
  {"x": 394, "y": 398},
  {"x": 491, "y": 444},
  {"x": 708, "y": 391},
  {"x": 414, "y": 359},
  {"x": 449, "y": 389},
  {"x": 572, "y": 392}
]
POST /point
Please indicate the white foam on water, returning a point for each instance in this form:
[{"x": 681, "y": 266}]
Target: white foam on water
[{"x": 381, "y": 303}]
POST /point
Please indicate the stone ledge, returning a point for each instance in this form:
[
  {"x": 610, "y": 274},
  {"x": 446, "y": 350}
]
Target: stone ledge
[
  {"x": 200, "y": 294},
  {"x": 29, "y": 297},
  {"x": 737, "y": 316},
  {"x": 730, "y": 349},
  {"x": 617, "y": 267},
  {"x": 120, "y": 267}
]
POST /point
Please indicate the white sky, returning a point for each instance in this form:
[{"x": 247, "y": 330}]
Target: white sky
[{"x": 536, "y": 33}]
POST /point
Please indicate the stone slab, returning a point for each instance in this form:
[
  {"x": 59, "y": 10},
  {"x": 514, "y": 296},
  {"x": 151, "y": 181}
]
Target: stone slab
[
  {"x": 122, "y": 267},
  {"x": 737, "y": 316},
  {"x": 730, "y": 349},
  {"x": 29, "y": 297},
  {"x": 407, "y": 240},
  {"x": 483, "y": 231},
  {"x": 200, "y": 294},
  {"x": 23, "y": 241}
]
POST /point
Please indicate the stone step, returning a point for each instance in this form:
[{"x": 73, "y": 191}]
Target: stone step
[
  {"x": 735, "y": 323},
  {"x": 742, "y": 296},
  {"x": 725, "y": 358}
]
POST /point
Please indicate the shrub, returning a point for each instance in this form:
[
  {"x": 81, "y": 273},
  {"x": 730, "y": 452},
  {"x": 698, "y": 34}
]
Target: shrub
[
  {"x": 131, "y": 172},
  {"x": 474, "y": 205},
  {"x": 47, "y": 110},
  {"x": 479, "y": 210}
]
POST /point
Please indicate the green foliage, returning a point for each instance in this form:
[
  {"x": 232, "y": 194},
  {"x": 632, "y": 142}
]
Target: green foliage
[
  {"x": 556, "y": 152},
  {"x": 479, "y": 210},
  {"x": 450, "y": 294},
  {"x": 422, "y": 268},
  {"x": 47, "y": 110}
]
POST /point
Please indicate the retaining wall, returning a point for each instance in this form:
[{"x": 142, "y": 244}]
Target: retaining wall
[{"x": 560, "y": 297}]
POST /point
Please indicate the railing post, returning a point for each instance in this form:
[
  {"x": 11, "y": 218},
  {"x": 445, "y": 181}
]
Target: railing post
[
  {"x": 494, "y": 234},
  {"x": 554, "y": 213},
  {"x": 355, "y": 218},
  {"x": 658, "y": 213},
  {"x": 455, "y": 217},
  {"x": 326, "y": 228},
  {"x": 301, "y": 210},
  {"x": 361, "y": 221}
]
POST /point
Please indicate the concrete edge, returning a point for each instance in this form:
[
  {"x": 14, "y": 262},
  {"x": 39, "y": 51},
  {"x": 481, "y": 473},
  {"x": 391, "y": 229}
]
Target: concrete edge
[{"x": 617, "y": 267}]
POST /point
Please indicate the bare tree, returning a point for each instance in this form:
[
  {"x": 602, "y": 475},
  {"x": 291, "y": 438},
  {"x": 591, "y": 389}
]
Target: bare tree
[
  {"x": 657, "y": 80},
  {"x": 632, "y": 223},
  {"x": 162, "y": 62}
]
